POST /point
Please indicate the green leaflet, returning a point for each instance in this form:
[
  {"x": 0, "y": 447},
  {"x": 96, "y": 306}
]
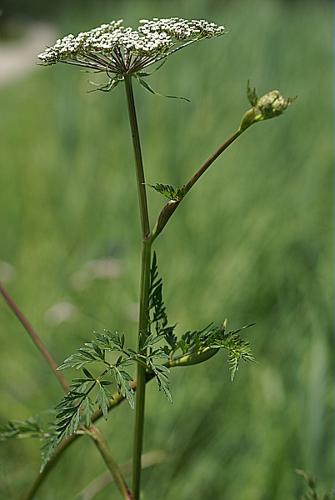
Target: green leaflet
[
  {"x": 148, "y": 88},
  {"x": 170, "y": 192}
]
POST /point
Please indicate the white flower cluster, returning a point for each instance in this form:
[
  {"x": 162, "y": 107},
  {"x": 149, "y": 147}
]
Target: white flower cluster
[
  {"x": 133, "y": 42},
  {"x": 122, "y": 50},
  {"x": 181, "y": 29},
  {"x": 70, "y": 46}
]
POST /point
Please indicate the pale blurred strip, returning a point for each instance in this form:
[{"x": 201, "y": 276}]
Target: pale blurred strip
[{"x": 20, "y": 57}]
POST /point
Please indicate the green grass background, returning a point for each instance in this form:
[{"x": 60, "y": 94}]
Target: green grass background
[{"x": 253, "y": 242}]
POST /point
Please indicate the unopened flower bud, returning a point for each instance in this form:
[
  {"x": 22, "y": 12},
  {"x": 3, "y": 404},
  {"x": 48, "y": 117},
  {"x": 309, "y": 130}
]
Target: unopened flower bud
[
  {"x": 272, "y": 104},
  {"x": 268, "y": 106}
]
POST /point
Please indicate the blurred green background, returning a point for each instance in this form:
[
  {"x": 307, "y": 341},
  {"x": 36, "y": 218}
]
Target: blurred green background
[{"x": 253, "y": 242}]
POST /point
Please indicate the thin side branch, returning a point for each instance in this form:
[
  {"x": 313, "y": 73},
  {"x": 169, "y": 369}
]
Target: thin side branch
[
  {"x": 34, "y": 337},
  {"x": 171, "y": 206},
  {"x": 113, "y": 467}
]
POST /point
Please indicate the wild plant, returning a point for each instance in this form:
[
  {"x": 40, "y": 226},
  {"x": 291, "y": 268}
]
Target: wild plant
[{"x": 106, "y": 364}]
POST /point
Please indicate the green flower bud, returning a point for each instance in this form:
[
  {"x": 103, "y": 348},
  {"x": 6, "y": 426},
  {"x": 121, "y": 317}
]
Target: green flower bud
[
  {"x": 268, "y": 106},
  {"x": 272, "y": 104}
]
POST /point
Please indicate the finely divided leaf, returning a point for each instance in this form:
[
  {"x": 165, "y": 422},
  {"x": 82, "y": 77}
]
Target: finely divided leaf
[
  {"x": 196, "y": 343},
  {"x": 162, "y": 377},
  {"x": 95, "y": 351},
  {"x": 103, "y": 398},
  {"x": 123, "y": 380}
]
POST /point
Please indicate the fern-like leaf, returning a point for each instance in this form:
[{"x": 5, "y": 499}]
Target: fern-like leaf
[
  {"x": 195, "y": 343},
  {"x": 88, "y": 392},
  {"x": 95, "y": 351}
]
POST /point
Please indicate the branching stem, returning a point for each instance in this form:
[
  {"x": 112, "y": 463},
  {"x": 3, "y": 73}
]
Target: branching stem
[
  {"x": 115, "y": 401},
  {"x": 93, "y": 432},
  {"x": 64, "y": 445},
  {"x": 143, "y": 376}
]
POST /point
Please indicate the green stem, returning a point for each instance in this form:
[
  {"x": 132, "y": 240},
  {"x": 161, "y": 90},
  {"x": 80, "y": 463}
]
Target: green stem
[
  {"x": 142, "y": 196},
  {"x": 144, "y": 290},
  {"x": 141, "y": 371},
  {"x": 113, "y": 467}
]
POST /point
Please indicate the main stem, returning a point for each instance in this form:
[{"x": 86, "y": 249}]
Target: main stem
[
  {"x": 144, "y": 290},
  {"x": 142, "y": 196}
]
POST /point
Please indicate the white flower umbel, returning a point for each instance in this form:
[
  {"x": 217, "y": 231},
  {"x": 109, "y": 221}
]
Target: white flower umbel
[{"x": 119, "y": 50}]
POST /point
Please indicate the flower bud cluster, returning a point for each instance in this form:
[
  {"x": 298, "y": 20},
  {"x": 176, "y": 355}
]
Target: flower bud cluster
[
  {"x": 268, "y": 106},
  {"x": 272, "y": 104}
]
